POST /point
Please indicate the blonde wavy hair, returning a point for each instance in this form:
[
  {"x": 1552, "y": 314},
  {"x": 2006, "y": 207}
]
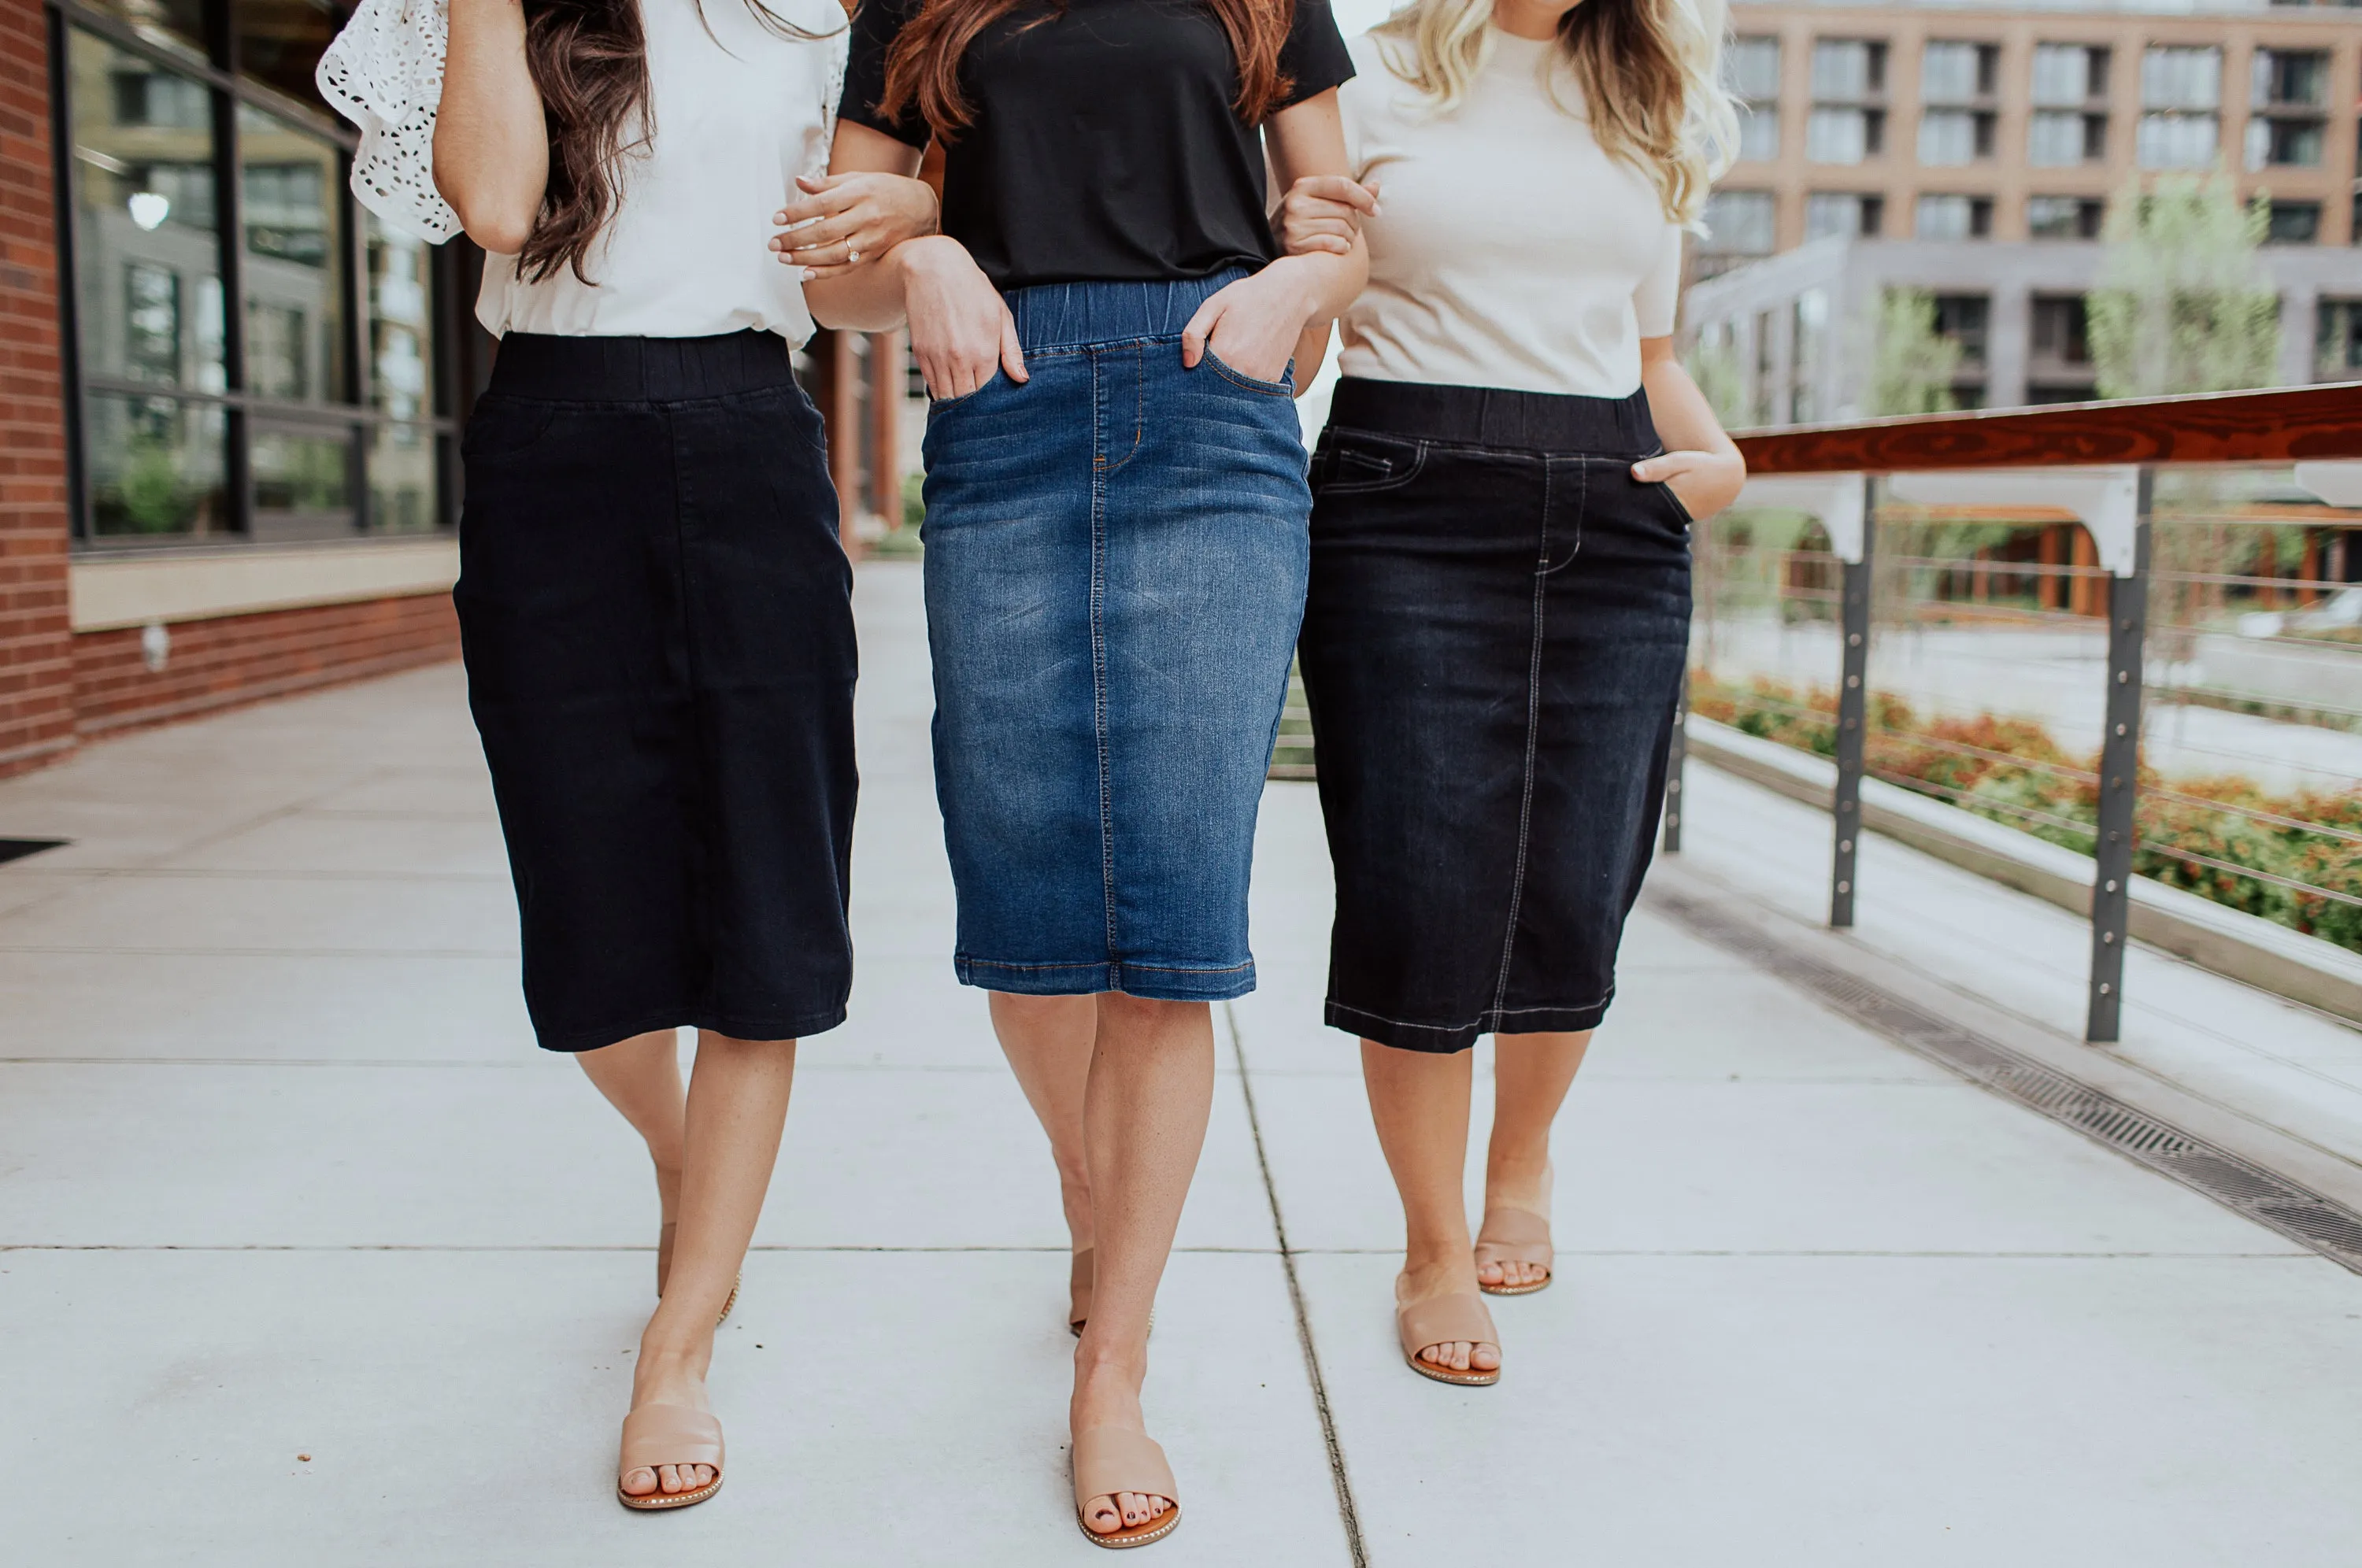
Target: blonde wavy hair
[{"x": 1649, "y": 72}]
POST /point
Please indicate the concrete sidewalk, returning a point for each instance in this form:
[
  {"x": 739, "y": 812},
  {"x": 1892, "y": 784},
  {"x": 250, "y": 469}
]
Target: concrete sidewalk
[{"x": 281, "y": 1175}]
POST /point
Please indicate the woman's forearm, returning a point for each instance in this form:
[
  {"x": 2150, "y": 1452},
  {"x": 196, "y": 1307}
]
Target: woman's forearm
[
  {"x": 870, "y": 298},
  {"x": 491, "y": 144}
]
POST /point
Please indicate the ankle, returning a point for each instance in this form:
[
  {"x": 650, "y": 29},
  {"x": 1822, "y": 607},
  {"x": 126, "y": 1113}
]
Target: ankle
[{"x": 1517, "y": 1174}]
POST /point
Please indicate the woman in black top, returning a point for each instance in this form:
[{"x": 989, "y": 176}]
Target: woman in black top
[{"x": 1116, "y": 559}]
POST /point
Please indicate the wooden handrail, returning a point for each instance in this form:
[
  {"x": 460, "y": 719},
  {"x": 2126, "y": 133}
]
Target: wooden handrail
[{"x": 2295, "y": 423}]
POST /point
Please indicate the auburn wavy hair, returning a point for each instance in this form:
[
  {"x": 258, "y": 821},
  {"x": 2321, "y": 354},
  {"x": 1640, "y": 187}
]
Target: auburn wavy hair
[
  {"x": 1648, "y": 72},
  {"x": 590, "y": 63},
  {"x": 922, "y": 67}
]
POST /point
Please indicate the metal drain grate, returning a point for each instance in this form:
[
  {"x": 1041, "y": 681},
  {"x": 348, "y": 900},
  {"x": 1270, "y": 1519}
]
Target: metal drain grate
[
  {"x": 2273, "y": 1201},
  {"x": 17, "y": 848}
]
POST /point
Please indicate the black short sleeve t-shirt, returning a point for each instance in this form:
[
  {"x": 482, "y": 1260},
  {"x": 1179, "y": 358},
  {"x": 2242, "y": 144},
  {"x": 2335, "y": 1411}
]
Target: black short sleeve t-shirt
[{"x": 1106, "y": 146}]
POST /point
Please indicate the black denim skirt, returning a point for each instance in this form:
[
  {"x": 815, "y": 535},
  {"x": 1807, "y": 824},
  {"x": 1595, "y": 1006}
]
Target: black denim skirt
[
  {"x": 656, "y": 618},
  {"x": 1495, "y": 637}
]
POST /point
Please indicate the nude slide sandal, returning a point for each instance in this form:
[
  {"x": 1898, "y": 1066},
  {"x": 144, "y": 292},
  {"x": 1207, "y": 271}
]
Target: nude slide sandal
[
  {"x": 1109, "y": 1459},
  {"x": 669, "y": 1434},
  {"x": 1515, "y": 1235},
  {"x": 1443, "y": 1321},
  {"x": 664, "y": 1272},
  {"x": 1079, "y": 1282}
]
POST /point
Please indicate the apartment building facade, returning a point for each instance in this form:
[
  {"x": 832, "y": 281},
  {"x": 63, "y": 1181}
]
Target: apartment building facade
[
  {"x": 230, "y": 397},
  {"x": 1972, "y": 151}
]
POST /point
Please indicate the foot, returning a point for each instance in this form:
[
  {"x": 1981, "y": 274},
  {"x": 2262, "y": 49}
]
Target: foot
[
  {"x": 1108, "y": 1396},
  {"x": 1425, "y": 1282},
  {"x": 1525, "y": 1186},
  {"x": 668, "y": 1380}
]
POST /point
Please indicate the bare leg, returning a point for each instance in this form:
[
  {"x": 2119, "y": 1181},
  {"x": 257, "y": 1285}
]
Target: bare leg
[
  {"x": 641, "y": 1078},
  {"x": 1419, "y": 1101},
  {"x": 1048, "y": 1041},
  {"x": 737, "y": 1107},
  {"x": 1530, "y": 1076},
  {"x": 1150, "y": 1091}
]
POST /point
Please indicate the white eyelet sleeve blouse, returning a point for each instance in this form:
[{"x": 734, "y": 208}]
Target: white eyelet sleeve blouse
[
  {"x": 737, "y": 113},
  {"x": 1511, "y": 251}
]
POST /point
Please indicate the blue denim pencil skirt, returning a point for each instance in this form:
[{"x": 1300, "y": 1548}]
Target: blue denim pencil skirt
[{"x": 1116, "y": 559}]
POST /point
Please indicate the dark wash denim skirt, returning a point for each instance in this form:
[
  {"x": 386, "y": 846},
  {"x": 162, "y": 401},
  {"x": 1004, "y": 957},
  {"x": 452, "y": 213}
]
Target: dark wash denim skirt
[
  {"x": 1115, "y": 579},
  {"x": 1493, "y": 647},
  {"x": 657, "y": 619}
]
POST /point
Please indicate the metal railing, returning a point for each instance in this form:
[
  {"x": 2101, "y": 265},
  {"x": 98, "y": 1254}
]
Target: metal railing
[{"x": 2133, "y": 629}]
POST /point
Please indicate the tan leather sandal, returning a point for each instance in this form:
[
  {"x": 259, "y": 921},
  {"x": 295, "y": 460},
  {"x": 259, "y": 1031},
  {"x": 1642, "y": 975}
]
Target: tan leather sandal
[
  {"x": 1080, "y": 1280},
  {"x": 1443, "y": 1321},
  {"x": 1515, "y": 1235},
  {"x": 664, "y": 1272},
  {"x": 669, "y": 1434},
  {"x": 1109, "y": 1459}
]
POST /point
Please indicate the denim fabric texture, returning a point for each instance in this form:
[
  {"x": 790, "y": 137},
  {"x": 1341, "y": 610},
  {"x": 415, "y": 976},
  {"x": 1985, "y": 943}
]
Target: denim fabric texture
[
  {"x": 1495, "y": 641},
  {"x": 1115, "y": 572},
  {"x": 658, "y": 624}
]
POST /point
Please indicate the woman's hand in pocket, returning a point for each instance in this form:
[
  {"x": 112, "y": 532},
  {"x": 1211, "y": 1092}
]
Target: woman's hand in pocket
[
  {"x": 1704, "y": 482},
  {"x": 1253, "y": 324},
  {"x": 840, "y": 220},
  {"x": 961, "y": 331}
]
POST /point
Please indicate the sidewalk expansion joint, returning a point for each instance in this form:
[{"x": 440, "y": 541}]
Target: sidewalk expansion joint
[
  {"x": 2274, "y": 1202},
  {"x": 1346, "y": 1512}
]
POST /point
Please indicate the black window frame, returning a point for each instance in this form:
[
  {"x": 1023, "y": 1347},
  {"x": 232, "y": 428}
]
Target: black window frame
[{"x": 348, "y": 409}]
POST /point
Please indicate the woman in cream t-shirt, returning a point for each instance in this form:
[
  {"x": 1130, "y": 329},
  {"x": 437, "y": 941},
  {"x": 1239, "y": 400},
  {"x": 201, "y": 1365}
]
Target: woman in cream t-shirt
[{"x": 1499, "y": 609}]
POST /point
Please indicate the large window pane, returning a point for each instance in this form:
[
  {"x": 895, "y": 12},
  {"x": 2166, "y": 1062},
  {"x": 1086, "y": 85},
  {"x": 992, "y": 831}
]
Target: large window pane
[
  {"x": 1838, "y": 135},
  {"x": 177, "y": 24},
  {"x": 402, "y": 340},
  {"x": 2181, "y": 77},
  {"x": 295, "y": 253},
  {"x": 303, "y": 482},
  {"x": 1947, "y": 137},
  {"x": 155, "y": 466},
  {"x": 2179, "y": 141},
  {"x": 147, "y": 257},
  {"x": 402, "y": 463},
  {"x": 1741, "y": 223},
  {"x": 279, "y": 41}
]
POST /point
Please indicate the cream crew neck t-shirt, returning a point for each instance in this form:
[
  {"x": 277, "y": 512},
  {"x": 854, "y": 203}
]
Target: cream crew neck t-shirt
[{"x": 1512, "y": 252}]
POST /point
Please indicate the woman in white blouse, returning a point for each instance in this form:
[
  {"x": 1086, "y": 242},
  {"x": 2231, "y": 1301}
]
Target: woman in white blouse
[
  {"x": 1500, "y": 606},
  {"x": 655, "y": 609}
]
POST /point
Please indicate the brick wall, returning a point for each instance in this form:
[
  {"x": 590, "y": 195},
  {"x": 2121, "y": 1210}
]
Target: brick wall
[
  {"x": 243, "y": 659},
  {"x": 37, "y": 659}
]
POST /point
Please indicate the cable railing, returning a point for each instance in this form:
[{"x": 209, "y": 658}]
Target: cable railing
[{"x": 2131, "y": 629}]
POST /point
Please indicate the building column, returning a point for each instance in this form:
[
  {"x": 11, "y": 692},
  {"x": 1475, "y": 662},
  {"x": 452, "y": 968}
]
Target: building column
[
  {"x": 2300, "y": 333},
  {"x": 2009, "y": 343},
  {"x": 37, "y": 690}
]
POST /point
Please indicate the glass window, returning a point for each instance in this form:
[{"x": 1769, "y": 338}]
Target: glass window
[
  {"x": 2337, "y": 342},
  {"x": 2294, "y": 223},
  {"x": 2285, "y": 144},
  {"x": 2069, "y": 75},
  {"x": 1827, "y": 213},
  {"x": 2179, "y": 141},
  {"x": 1741, "y": 222},
  {"x": 1956, "y": 72},
  {"x": 1838, "y": 135},
  {"x": 1808, "y": 349},
  {"x": 279, "y": 41},
  {"x": 401, "y": 337},
  {"x": 154, "y": 466},
  {"x": 402, "y": 465},
  {"x": 2181, "y": 77},
  {"x": 294, "y": 244},
  {"x": 2287, "y": 78},
  {"x": 1848, "y": 71},
  {"x": 176, "y": 24},
  {"x": 2063, "y": 217},
  {"x": 2059, "y": 140},
  {"x": 1751, "y": 68},
  {"x": 1954, "y": 217},
  {"x": 303, "y": 481},
  {"x": 1759, "y": 133},
  {"x": 1965, "y": 319},
  {"x": 146, "y": 256},
  {"x": 1947, "y": 137}
]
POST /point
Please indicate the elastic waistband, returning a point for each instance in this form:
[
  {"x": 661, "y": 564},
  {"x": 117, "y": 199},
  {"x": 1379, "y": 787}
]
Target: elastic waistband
[
  {"x": 1494, "y": 416},
  {"x": 639, "y": 370},
  {"x": 1078, "y": 315}
]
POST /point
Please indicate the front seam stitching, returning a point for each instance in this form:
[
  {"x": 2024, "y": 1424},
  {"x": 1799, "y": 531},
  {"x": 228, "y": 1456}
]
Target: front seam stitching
[
  {"x": 1098, "y": 650},
  {"x": 1533, "y": 711}
]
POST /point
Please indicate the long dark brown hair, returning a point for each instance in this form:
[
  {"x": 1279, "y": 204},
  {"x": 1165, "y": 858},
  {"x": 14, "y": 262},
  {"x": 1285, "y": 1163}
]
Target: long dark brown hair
[
  {"x": 922, "y": 67},
  {"x": 590, "y": 63}
]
